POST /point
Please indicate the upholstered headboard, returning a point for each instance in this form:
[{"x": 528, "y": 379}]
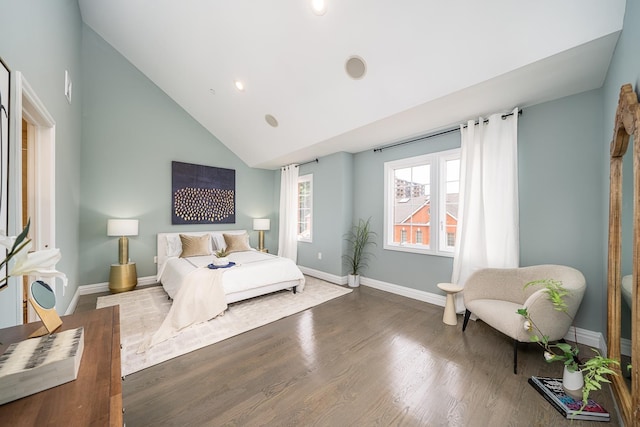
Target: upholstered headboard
[{"x": 163, "y": 248}]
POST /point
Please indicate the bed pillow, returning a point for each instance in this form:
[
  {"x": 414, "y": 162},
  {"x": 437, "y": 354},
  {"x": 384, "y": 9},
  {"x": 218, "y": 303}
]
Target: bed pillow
[
  {"x": 174, "y": 246},
  {"x": 218, "y": 241},
  {"x": 237, "y": 242},
  {"x": 195, "y": 245}
]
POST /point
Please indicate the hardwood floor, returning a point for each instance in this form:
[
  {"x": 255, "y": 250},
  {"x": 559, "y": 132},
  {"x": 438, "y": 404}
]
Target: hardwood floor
[{"x": 369, "y": 358}]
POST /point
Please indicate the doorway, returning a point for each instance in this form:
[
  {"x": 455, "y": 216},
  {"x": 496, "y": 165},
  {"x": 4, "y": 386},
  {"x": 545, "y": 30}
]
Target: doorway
[{"x": 35, "y": 177}]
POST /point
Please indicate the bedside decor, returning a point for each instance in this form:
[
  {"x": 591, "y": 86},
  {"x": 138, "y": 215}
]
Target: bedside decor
[
  {"x": 122, "y": 276},
  {"x": 261, "y": 225}
]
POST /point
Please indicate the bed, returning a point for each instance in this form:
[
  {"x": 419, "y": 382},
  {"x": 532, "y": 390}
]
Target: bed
[
  {"x": 255, "y": 273},
  {"x": 200, "y": 293}
]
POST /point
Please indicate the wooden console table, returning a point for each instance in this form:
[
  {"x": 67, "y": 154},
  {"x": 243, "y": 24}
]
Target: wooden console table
[{"x": 95, "y": 397}]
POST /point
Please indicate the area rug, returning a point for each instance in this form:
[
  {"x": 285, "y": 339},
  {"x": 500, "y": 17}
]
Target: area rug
[{"x": 142, "y": 311}]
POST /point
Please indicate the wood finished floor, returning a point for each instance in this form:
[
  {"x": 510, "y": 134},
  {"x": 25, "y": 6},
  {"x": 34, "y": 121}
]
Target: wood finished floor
[{"x": 369, "y": 358}]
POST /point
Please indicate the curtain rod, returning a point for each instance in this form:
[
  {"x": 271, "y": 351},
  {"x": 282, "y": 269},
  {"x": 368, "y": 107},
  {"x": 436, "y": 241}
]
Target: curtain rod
[
  {"x": 432, "y": 135},
  {"x": 310, "y": 161}
]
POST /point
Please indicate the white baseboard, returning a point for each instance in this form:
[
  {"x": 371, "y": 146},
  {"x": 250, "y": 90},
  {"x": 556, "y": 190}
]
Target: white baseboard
[
  {"x": 417, "y": 294},
  {"x": 101, "y": 287},
  {"x": 74, "y": 303},
  {"x": 588, "y": 338},
  {"x": 104, "y": 286},
  {"x": 332, "y": 278}
]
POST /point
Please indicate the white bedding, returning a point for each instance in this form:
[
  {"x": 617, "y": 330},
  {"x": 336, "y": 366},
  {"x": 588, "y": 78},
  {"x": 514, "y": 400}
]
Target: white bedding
[
  {"x": 255, "y": 273},
  {"x": 200, "y": 299}
]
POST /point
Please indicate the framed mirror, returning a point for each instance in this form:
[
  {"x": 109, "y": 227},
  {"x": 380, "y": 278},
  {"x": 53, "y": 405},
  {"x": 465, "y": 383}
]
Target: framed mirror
[
  {"x": 626, "y": 126},
  {"x": 43, "y": 300}
]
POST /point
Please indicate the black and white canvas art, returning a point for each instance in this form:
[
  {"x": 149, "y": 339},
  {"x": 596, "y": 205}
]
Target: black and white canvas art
[{"x": 202, "y": 194}]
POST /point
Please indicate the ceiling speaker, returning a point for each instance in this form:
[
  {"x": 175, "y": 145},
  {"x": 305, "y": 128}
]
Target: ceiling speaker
[
  {"x": 271, "y": 120},
  {"x": 356, "y": 67}
]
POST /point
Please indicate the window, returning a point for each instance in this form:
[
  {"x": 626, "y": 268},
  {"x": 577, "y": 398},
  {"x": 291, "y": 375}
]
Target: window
[
  {"x": 305, "y": 207},
  {"x": 421, "y": 203}
]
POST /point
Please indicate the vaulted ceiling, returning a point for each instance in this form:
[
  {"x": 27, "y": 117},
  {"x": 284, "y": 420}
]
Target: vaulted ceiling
[{"x": 430, "y": 64}]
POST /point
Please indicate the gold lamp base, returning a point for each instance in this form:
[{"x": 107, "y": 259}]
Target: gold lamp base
[{"x": 122, "y": 277}]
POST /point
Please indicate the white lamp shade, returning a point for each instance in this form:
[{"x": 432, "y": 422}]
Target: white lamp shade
[
  {"x": 122, "y": 227},
  {"x": 261, "y": 224}
]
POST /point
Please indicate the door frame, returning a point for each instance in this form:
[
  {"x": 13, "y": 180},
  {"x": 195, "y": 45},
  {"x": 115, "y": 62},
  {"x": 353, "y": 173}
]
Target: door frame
[{"x": 42, "y": 138}]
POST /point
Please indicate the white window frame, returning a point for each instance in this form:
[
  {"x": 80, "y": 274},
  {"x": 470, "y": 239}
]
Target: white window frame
[
  {"x": 437, "y": 210},
  {"x": 301, "y": 179},
  {"x": 443, "y": 242}
]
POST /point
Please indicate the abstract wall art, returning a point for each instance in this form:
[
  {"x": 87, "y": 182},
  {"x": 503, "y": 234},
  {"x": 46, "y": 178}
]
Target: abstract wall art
[{"x": 202, "y": 194}]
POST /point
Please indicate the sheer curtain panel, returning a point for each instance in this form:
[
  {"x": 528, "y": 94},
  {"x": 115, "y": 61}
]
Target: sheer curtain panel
[
  {"x": 488, "y": 212},
  {"x": 288, "y": 238}
]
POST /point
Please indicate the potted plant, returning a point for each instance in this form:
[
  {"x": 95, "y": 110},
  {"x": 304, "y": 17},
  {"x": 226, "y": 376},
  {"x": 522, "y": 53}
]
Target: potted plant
[
  {"x": 358, "y": 238},
  {"x": 582, "y": 376},
  {"x": 221, "y": 260}
]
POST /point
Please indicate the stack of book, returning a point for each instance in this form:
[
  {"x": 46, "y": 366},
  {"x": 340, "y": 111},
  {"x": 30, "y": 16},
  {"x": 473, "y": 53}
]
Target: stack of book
[
  {"x": 552, "y": 390},
  {"x": 36, "y": 364}
]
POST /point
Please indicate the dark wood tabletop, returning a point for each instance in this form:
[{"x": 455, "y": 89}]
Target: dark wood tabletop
[{"x": 95, "y": 397}]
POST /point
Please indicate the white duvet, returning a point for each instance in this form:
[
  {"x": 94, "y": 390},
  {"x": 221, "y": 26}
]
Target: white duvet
[
  {"x": 200, "y": 299},
  {"x": 199, "y": 293},
  {"x": 253, "y": 269}
]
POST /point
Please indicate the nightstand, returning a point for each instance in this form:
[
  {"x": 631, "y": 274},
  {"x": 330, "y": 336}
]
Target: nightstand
[{"x": 122, "y": 277}]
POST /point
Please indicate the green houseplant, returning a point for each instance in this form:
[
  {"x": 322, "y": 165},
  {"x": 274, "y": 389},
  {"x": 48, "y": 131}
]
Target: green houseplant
[
  {"x": 358, "y": 238},
  {"x": 594, "y": 369}
]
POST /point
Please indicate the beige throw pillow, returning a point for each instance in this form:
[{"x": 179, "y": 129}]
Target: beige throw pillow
[
  {"x": 237, "y": 242},
  {"x": 195, "y": 245}
]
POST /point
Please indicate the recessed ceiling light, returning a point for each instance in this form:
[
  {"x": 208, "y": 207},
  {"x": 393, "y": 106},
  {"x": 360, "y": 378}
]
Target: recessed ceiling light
[
  {"x": 319, "y": 7},
  {"x": 271, "y": 120},
  {"x": 356, "y": 67},
  {"x": 239, "y": 85}
]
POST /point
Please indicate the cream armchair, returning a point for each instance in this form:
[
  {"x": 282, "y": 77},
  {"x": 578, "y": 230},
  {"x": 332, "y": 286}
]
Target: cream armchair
[{"x": 494, "y": 295}]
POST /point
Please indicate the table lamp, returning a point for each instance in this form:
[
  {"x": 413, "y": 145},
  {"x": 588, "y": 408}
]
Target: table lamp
[
  {"x": 123, "y": 276},
  {"x": 122, "y": 228},
  {"x": 260, "y": 225}
]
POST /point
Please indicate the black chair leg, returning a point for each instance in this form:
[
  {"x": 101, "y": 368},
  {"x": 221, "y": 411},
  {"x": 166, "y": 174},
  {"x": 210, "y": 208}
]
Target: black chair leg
[
  {"x": 515, "y": 357},
  {"x": 467, "y": 313}
]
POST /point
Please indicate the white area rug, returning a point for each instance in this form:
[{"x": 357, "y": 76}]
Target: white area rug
[{"x": 142, "y": 311}]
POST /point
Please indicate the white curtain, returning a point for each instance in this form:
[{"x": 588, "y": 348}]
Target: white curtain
[
  {"x": 488, "y": 212},
  {"x": 288, "y": 238}
]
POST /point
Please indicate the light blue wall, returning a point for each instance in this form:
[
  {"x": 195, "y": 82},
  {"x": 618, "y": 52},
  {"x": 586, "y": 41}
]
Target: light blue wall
[
  {"x": 560, "y": 170},
  {"x": 332, "y": 212},
  {"x": 131, "y": 133},
  {"x": 42, "y": 40},
  {"x": 415, "y": 271}
]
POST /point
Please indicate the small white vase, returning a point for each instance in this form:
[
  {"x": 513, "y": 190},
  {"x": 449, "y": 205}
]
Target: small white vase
[
  {"x": 354, "y": 280},
  {"x": 220, "y": 261},
  {"x": 573, "y": 382}
]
